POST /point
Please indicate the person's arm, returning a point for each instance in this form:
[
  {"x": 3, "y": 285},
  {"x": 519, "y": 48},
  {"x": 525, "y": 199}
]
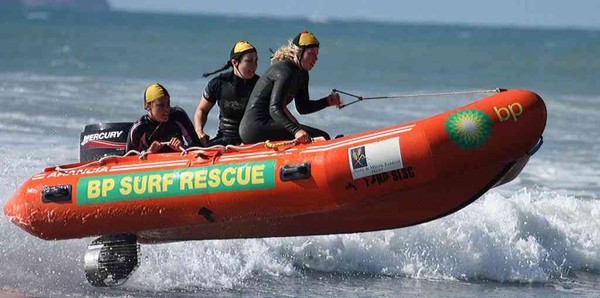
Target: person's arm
[
  {"x": 200, "y": 117},
  {"x": 156, "y": 146},
  {"x": 133, "y": 138},
  {"x": 185, "y": 125},
  {"x": 281, "y": 85},
  {"x": 174, "y": 143},
  {"x": 303, "y": 103},
  {"x": 290, "y": 115}
]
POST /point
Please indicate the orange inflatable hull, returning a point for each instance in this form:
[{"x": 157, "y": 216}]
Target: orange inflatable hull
[{"x": 382, "y": 179}]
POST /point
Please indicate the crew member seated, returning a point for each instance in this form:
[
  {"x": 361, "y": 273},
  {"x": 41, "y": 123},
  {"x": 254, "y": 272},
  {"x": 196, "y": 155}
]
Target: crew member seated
[
  {"x": 267, "y": 116},
  {"x": 230, "y": 91},
  {"x": 162, "y": 129}
]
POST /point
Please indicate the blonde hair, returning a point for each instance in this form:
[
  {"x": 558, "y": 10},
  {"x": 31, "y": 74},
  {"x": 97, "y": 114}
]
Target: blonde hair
[{"x": 287, "y": 52}]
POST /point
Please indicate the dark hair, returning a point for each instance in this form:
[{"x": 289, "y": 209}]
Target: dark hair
[{"x": 226, "y": 66}]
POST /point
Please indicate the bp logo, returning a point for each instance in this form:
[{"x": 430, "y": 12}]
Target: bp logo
[{"x": 469, "y": 129}]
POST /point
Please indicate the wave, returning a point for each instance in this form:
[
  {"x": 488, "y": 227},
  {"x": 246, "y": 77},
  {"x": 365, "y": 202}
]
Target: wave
[{"x": 533, "y": 236}]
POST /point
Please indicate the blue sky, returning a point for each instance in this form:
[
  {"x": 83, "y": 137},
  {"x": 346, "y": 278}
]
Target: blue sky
[{"x": 546, "y": 13}]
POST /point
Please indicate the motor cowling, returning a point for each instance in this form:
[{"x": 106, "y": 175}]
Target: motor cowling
[{"x": 102, "y": 139}]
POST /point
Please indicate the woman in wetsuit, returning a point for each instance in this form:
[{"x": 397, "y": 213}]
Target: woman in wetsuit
[
  {"x": 162, "y": 124},
  {"x": 230, "y": 91},
  {"x": 266, "y": 116}
]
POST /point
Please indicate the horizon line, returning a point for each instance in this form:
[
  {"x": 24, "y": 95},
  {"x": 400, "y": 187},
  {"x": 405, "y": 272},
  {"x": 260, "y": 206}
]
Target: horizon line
[{"x": 326, "y": 19}]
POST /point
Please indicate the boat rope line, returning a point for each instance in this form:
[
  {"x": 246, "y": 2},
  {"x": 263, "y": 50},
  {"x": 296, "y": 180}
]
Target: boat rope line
[
  {"x": 360, "y": 98},
  {"x": 351, "y": 142},
  {"x": 277, "y": 145},
  {"x": 209, "y": 152},
  {"x": 201, "y": 152},
  {"x": 177, "y": 163},
  {"x": 381, "y": 133}
]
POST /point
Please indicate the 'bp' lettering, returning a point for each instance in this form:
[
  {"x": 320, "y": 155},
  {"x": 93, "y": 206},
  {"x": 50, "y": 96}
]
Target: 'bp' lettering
[
  {"x": 513, "y": 111},
  {"x": 98, "y": 188}
]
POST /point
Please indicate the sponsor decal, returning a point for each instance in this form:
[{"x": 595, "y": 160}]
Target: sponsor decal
[
  {"x": 359, "y": 159},
  {"x": 469, "y": 129},
  {"x": 176, "y": 182},
  {"x": 375, "y": 158},
  {"x": 78, "y": 172},
  {"x": 395, "y": 175},
  {"x": 100, "y": 136},
  {"x": 513, "y": 111}
]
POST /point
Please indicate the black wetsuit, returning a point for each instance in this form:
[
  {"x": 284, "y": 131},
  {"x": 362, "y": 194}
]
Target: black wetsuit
[
  {"x": 265, "y": 118},
  {"x": 145, "y": 131},
  {"x": 231, "y": 94}
]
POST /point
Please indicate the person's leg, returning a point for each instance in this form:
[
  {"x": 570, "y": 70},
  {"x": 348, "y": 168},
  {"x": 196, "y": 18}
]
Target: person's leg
[
  {"x": 261, "y": 132},
  {"x": 224, "y": 139},
  {"x": 215, "y": 141},
  {"x": 218, "y": 140}
]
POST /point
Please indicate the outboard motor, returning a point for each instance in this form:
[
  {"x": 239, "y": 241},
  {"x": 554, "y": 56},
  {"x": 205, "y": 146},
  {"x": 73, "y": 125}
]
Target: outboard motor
[{"x": 102, "y": 139}]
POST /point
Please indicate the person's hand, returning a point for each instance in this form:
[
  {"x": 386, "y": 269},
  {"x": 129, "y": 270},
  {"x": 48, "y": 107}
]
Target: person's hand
[
  {"x": 203, "y": 138},
  {"x": 302, "y": 137},
  {"x": 174, "y": 144},
  {"x": 334, "y": 99},
  {"x": 155, "y": 147}
]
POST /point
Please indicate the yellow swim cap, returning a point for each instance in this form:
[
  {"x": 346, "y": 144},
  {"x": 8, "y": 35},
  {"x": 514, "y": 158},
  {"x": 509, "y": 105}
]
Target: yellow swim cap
[
  {"x": 154, "y": 92},
  {"x": 241, "y": 47},
  {"x": 305, "y": 39}
]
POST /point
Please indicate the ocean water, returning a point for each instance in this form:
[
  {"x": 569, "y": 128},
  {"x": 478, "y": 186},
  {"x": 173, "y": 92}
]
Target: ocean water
[{"x": 536, "y": 236}]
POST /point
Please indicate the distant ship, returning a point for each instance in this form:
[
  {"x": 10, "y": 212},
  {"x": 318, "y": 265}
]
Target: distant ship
[{"x": 73, "y": 5}]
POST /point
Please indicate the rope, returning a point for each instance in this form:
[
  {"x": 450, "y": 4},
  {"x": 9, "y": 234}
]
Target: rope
[
  {"x": 242, "y": 148},
  {"x": 98, "y": 162},
  {"x": 361, "y": 98},
  {"x": 142, "y": 155},
  {"x": 64, "y": 170},
  {"x": 145, "y": 153},
  {"x": 272, "y": 145}
]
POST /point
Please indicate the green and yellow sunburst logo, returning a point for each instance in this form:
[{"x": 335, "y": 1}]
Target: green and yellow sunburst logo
[{"x": 469, "y": 129}]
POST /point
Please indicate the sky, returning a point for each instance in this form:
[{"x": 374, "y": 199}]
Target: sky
[{"x": 528, "y": 13}]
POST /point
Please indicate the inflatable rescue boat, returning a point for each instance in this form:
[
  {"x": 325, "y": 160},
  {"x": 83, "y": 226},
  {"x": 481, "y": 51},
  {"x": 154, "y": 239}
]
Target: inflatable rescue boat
[{"x": 387, "y": 178}]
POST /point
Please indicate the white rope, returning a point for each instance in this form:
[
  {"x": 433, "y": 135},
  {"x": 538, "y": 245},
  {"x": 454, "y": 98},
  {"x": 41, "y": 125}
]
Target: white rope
[
  {"x": 438, "y": 94},
  {"x": 361, "y": 98},
  {"x": 245, "y": 147},
  {"x": 98, "y": 162},
  {"x": 142, "y": 155}
]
